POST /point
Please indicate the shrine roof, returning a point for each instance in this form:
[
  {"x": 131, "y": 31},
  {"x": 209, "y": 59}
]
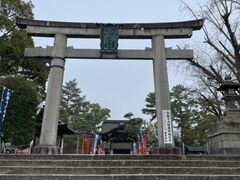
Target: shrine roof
[{"x": 109, "y": 125}]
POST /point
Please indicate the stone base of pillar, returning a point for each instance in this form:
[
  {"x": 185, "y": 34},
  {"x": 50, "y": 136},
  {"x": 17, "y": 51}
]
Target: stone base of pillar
[
  {"x": 224, "y": 137},
  {"x": 166, "y": 150},
  {"x": 227, "y": 142},
  {"x": 229, "y": 151},
  {"x": 43, "y": 149}
]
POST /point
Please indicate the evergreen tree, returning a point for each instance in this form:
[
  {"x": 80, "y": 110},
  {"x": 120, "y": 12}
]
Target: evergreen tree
[
  {"x": 185, "y": 112},
  {"x": 133, "y": 126},
  {"x": 72, "y": 102},
  {"x": 150, "y": 108},
  {"x": 19, "y": 124},
  {"x": 189, "y": 115},
  {"x": 13, "y": 41},
  {"x": 80, "y": 114}
]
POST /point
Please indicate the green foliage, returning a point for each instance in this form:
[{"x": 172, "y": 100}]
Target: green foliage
[
  {"x": 10, "y": 9},
  {"x": 72, "y": 102},
  {"x": 190, "y": 116},
  {"x": 185, "y": 112},
  {"x": 150, "y": 108},
  {"x": 152, "y": 132},
  {"x": 128, "y": 115},
  {"x": 133, "y": 127},
  {"x": 80, "y": 114},
  {"x": 22, "y": 109},
  {"x": 87, "y": 121},
  {"x": 204, "y": 124},
  {"x": 19, "y": 125},
  {"x": 13, "y": 41}
]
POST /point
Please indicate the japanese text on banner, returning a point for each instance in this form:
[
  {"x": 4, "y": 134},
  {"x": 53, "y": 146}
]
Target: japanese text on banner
[{"x": 167, "y": 127}]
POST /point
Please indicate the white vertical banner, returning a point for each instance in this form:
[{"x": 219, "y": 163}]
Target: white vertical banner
[
  {"x": 6, "y": 94},
  {"x": 167, "y": 127}
]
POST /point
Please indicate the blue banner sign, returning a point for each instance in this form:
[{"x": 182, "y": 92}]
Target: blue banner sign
[{"x": 6, "y": 94}]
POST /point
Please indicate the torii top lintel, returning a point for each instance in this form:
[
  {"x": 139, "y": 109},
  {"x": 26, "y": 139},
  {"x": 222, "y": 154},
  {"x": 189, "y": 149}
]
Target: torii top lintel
[{"x": 126, "y": 30}]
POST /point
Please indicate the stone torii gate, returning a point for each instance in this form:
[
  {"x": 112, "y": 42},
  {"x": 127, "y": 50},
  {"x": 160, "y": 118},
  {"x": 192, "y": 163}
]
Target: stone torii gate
[{"x": 109, "y": 34}]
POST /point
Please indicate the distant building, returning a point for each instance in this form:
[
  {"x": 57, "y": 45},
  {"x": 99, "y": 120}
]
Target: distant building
[
  {"x": 117, "y": 138},
  {"x": 114, "y": 137},
  {"x": 63, "y": 129}
]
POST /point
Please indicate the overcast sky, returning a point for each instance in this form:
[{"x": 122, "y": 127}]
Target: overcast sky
[{"x": 121, "y": 86}]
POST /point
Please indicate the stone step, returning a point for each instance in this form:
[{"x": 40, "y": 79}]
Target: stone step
[
  {"x": 212, "y": 157},
  {"x": 119, "y": 157},
  {"x": 113, "y": 163},
  {"x": 119, "y": 167},
  {"x": 118, "y": 177},
  {"x": 91, "y": 157},
  {"x": 119, "y": 170}
]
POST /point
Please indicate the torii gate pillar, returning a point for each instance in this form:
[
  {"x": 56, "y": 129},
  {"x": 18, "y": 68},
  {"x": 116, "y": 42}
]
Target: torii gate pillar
[
  {"x": 48, "y": 138},
  {"x": 163, "y": 107}
]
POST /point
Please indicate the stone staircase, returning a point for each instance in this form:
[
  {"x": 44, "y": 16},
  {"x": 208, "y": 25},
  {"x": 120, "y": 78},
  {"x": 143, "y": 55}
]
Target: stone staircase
[{"x": 119, "y": 167}]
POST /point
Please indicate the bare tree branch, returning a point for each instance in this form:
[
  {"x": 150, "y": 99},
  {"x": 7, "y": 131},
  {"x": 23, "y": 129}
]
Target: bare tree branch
[{"x": 226, "y": 49}]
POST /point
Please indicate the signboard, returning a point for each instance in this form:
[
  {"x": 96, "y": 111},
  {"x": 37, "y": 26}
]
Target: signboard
[
  {"x": 6, "y": 94},
  {"x": 109, "y": 38},
  {"x": 167, "y": 127}
]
